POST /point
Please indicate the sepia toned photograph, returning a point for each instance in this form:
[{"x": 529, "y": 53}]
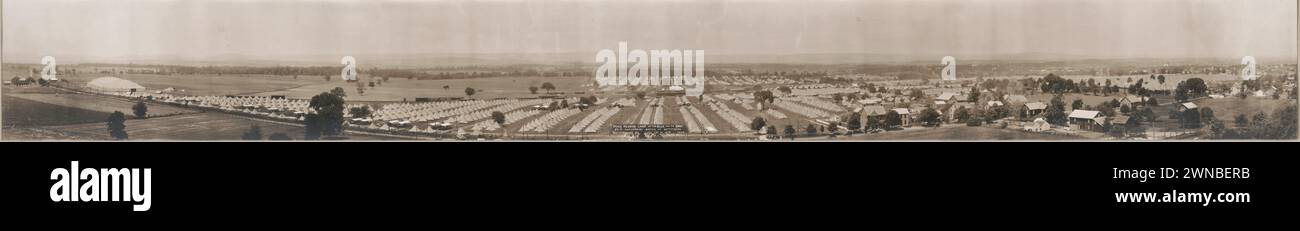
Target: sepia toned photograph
[{"x": 649, "y": 70}]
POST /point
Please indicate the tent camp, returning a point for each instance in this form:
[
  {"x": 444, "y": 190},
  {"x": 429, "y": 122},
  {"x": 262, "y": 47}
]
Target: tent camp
[{"x": 111, "y": 84}]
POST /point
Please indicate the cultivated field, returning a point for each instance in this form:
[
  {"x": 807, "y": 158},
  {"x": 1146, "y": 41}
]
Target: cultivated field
[
  {"x": 24, "y": 112},
  {"x": 397, "y": 89},
  {"x": 1227, "y": 108},
  {"x": 196, "y": 126},
  {"x": 97, "y": 103}
]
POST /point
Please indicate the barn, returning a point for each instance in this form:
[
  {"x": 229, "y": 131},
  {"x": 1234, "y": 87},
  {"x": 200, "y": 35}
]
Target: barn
[{"x": 1086, "y": 120}]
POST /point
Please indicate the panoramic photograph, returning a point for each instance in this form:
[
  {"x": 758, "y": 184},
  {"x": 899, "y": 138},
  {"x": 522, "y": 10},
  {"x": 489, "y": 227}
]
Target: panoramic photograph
[{"x": 648, "y": 70}]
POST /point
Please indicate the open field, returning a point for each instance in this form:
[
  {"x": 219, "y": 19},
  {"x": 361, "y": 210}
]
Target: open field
[
  {"x": 208, "y": 84},
  {"x": 24, "y": 112},
  {"x": 97, "y": 103},
  {"x": 197, "y": 126},
  {"x": 397, "y": 89},
  {"x": 1227, "y": 108}
]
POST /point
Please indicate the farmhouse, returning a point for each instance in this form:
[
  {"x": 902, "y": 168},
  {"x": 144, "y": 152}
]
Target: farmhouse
[
  {"x": 1035, "y": 108},
  {"x": 111, "y": 84},
  {"x": 1086, "y": 120},
  {"x": 1131, "y": 100},
  {"x": 874, "y": 111},
  {"x": 906, "y": 114}
]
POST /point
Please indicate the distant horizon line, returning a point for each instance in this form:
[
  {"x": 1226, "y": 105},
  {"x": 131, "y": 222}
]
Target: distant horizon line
[{"x": 850, "y": 58}]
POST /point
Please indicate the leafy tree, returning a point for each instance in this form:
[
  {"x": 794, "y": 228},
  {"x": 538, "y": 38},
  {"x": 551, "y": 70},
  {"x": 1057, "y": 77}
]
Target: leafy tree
[
  {"x": 1181, "y": 92},
  {"x": 498, "y": 117},
  {"x": 548, "y": 86},
  {"x": 1077, "y": 104},
  {"x": 811, "y": 130},
  {"x": 140, "y": 110},
  {"x": 854, "y": 121},
  {"x": 961, "y": 114},
  {"x": 117, "y": 125},
  {"x": 758, "y": 123},
  {"x": 532, "y": 89},
  {"x": 312, "y": 128},
  {"x": 328, "y": 119},
  {"x": 469, "y": 92},
  {"x": 929, "y": 117},
  {"x": 893, "y": 119},
  {"x": 338, "y": 91},
  {"x": 790, "y": 131},
  {"x": 1055, "y": 112},
  {"x": 1196, "y": 87}
]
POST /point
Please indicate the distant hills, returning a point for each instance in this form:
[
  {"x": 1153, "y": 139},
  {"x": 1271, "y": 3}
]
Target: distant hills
[{"x": 430, "y": 60}]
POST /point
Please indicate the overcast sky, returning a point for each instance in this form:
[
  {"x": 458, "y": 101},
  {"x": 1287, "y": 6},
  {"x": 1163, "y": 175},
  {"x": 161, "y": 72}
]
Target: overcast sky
[{"x": 1110, "y": 28}]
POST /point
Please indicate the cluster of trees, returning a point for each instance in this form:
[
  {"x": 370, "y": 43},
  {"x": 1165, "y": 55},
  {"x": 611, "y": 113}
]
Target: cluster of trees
[
  {"x": 545, "y": 86},
  {"x": 976, "y": 117},
  {"x": 116, "y": 121},
  {"x": 1057, "y": 85},
  {"x": 1281, "y": 125},
  {"x": 25, "y": 81},
  {"x": 1189, "y": 89}
]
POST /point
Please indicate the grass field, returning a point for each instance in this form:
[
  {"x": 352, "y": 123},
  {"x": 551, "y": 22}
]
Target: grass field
[
  {"x": 24, "y": 112},
  {"x": 93, "y": 103},
  {"x": 397, "y": 89},
  {"x": 208, "y": 84},
  {"x": 1227, "y": 108},
  {"x": 196, "y": 126}
]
